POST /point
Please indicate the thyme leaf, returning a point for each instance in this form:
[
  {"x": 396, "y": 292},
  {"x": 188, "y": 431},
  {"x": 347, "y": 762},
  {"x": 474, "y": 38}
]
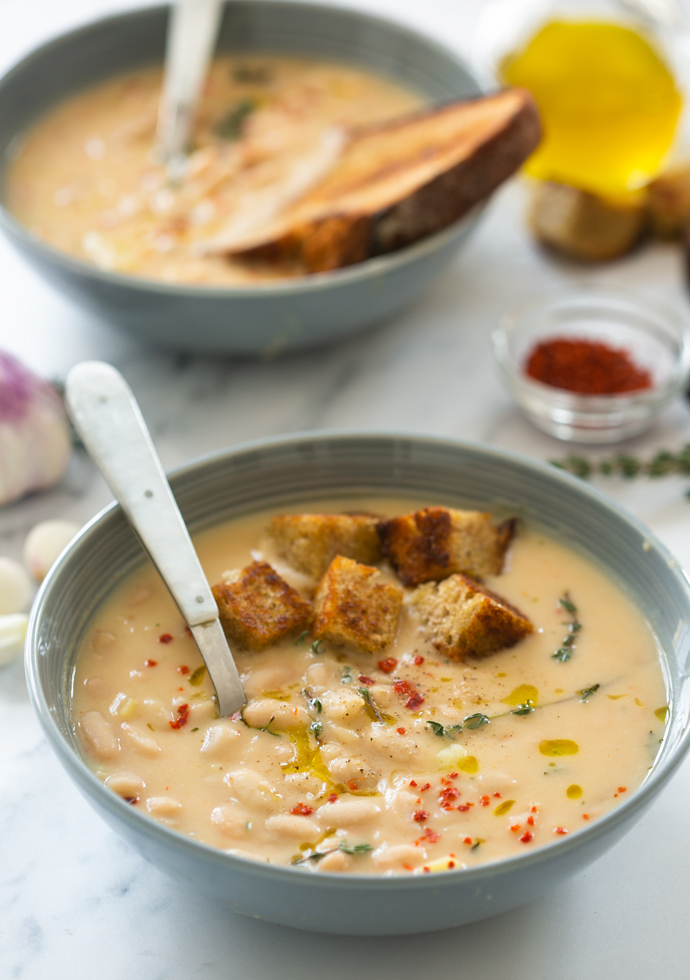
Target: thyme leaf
[
  {"x": 302, "y": 637},
  {"x": 354, "y": 849},
  {"x": 444, "y": 731},
  {"x": 567, "y": 647},
  {"x": 197, "y": 676},
  {"x": 316, "y": 727},
  {"x": 316, "y": 648},
  {"x": 476, "y": 720},
  {"x": 524, "y": 709},
  {"x": 588, "y": 691},
  {"x": 231, "y": 126}
]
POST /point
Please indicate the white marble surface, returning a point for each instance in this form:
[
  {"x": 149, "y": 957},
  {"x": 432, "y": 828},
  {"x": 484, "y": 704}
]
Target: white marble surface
[{"x": 77, "y": 902}]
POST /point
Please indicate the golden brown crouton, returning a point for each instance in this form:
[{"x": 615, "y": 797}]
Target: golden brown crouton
[
  {"x": 260, "y": 607},
  {"x": 354, "y": 609},
  {"x": 437, "y": 541},
  {"x": 668, "y": 201},
  {"x": 310, "y": 542},
  {"x": 465, "y": 619}
]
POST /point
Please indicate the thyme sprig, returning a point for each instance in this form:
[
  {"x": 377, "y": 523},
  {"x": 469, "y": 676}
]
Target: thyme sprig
[
  {"x": 567, "y": 647},
  {"x": 444, "y": 731},
  {"x": 342, "y": 846},
  {"x": 662, "y": 463},
  {"x": 587, "y": 692}
]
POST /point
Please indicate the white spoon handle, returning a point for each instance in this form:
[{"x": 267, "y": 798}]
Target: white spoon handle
[
  {"x": 107, "y": 417},
  {"x": 192, "y": 32}
]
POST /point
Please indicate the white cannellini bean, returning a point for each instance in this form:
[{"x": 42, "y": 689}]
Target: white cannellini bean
[
  {"x": 345, "y": 706},
  {"x": 299, "y": 828},
  {"x": 397, "y": 856},
  {"x": 99, "y": 736},
  {"x": 15, "y": 587},
  {"x": 231, "y": 821},
  {"x": 43, "y": 544},
  {"x": 126, "y": 783},
  {"x": 354, "y": 769},
  {"x": 144, "y": 744},
  {"x": 264, "y": 679},
  {"x": 259, "y": 712},
  {"x": 12, "y": 636},
  {"x": 347, "y": 812},
  {"x": 249, "y": 788},
  {"x": 164, "y": 807},
  {"x": 222, "y": 740},
  {"x": 335, "y": 861}
]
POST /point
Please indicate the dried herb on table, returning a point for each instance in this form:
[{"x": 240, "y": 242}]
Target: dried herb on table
[
  {"x": 663, "y": 463},
  {"x": 567, "y": 647}
]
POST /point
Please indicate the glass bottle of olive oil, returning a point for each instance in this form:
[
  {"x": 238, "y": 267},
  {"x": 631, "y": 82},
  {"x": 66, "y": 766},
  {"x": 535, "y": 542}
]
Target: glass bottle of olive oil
[{"x": 608, "y": 99}]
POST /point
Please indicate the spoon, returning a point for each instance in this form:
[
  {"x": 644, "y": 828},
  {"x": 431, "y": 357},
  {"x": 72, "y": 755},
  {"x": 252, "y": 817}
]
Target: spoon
[
  {"x": 192, "y": 33},
  {"x": 107, "y": 417}
]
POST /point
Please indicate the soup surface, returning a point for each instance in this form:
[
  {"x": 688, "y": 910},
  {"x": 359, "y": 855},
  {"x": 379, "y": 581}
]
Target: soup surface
[
  {"x": 87, "y": 178},
  {"x": 332, "y": 765}
]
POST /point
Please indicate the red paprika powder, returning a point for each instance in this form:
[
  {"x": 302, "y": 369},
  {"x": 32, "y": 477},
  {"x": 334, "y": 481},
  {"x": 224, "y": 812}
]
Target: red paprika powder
[{"x": 588, "y": 367}]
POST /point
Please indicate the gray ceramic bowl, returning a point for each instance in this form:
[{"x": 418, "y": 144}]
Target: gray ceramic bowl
[
  {"x": 270, "y": 318},
  {"x": 281, "y": 471}
]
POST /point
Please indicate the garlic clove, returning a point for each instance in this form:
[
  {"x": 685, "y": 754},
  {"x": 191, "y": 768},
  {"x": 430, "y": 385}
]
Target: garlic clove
[
  {"x": 35, "y": 443},
  {"x": 15, "y": 587},
  {"x": 12, "y": 636},
  {"x": 44, "y": 543}
]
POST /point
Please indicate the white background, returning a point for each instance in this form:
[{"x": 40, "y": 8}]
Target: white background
[{"x": 75, "y": 901}]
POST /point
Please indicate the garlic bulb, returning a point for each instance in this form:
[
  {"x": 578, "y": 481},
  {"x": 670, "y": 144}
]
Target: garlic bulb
[
  {"x": 15, "y": 587},
  {"x": 43, "y": 544},
  {"x": 35, "y": 444}
]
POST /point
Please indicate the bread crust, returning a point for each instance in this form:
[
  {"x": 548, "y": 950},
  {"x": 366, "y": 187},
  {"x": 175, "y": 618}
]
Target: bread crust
[
  {"x": 260, "y": 608},
  {"x": 310, "y": 542}
]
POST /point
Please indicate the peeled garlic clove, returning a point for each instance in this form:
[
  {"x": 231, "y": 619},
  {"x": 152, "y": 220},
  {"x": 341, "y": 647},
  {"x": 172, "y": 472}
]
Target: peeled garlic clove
[
  {"x": 12, "y": 635},
  {"x": 35, "y": 444},
  {"x": 43, "y": 544},
  {"x": 15, "y": 587}
]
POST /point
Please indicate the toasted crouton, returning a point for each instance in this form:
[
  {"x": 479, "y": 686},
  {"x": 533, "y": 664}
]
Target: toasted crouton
[
  {"x": 260, "y": 607},
  {"x": 310, "y": 542},
  {"x": 465, "y": 619},
  {"x": 668, "y": 200},
  {"x": 354, "y": 609},
  {"x": 437, "y": 541}
]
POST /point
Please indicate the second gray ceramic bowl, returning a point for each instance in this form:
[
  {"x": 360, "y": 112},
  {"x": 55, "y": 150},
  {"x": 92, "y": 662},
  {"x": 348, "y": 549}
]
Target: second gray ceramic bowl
[
  {"x": 271, "y": 318},
  {"x": 286, "y": 471}
]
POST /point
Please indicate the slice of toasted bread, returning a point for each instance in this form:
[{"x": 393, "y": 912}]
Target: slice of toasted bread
[{"x": 398, "y": 182}]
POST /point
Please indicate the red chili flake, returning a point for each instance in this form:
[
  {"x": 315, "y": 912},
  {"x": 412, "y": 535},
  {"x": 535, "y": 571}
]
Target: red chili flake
[
  {"x": 415, "y": 701},
  {"x": 451, "y": 864},
  {"x": 408, "y": 867},
  {"x": 533, "y": 809},
  {"x": 426, "y": 870},
  {"x": 420, "y": 816},
  {"x": 425, "y": 786},
  {"x": 585, "y": 816},
  {"x": 150, "y": 663},
  {"x": 403, "y": 688},
  {"x": 363, "y": 679},
  {"x": 527, "y": 837},
  {"x": 484, "y": 800},
  {"x": 453, "y": 775},
  {"x": 236, "y": 717},
  {"x": 332, "y": 798},
  {"x": 413, "y": 782},
  {"x": 352, "y": 785},
  {"x": 431, "y": 835},
  {"x": 188, "y": 630},
  {"x": 622, "y": 789},
  {"x": 497, "y": 795},
  {"x": 302, "y": 810},
  {"x": 388, "y": 665},
  {"x": 516, "y": 827},
  {"x": 165, "y": 638},
  {"x": 419, "y": 660},
  {"x": 131, "y": 799},
  {"x": 586, "y": 366},
  {"x": 183, "y": 669},
  {"x": 467, "y": 840},
  {"x": 463, "y": 807},
  {"x": 530, "y": 821},
  {"x": 447, "y": 794},
  {"x": 183, "y": 711},
  {"x": 400, "y": 731},
  {"x": 560, "y": 830}
]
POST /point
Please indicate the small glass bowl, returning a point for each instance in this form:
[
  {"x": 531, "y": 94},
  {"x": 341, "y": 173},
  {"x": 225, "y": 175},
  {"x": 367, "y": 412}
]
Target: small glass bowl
[{"x": 656, "y": 336}]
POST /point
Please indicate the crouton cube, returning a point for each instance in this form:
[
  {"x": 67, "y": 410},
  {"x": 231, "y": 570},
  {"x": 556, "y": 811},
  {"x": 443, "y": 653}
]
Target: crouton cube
[
  {"x": 353, "y": 608},
  {"x": 437, "y": 541},
  {"x": 668, "y": 200},
  {"x": 310, "y": 542},
  {"x": 260, "y": 608},
  {"x": 465, "y": 619}
]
